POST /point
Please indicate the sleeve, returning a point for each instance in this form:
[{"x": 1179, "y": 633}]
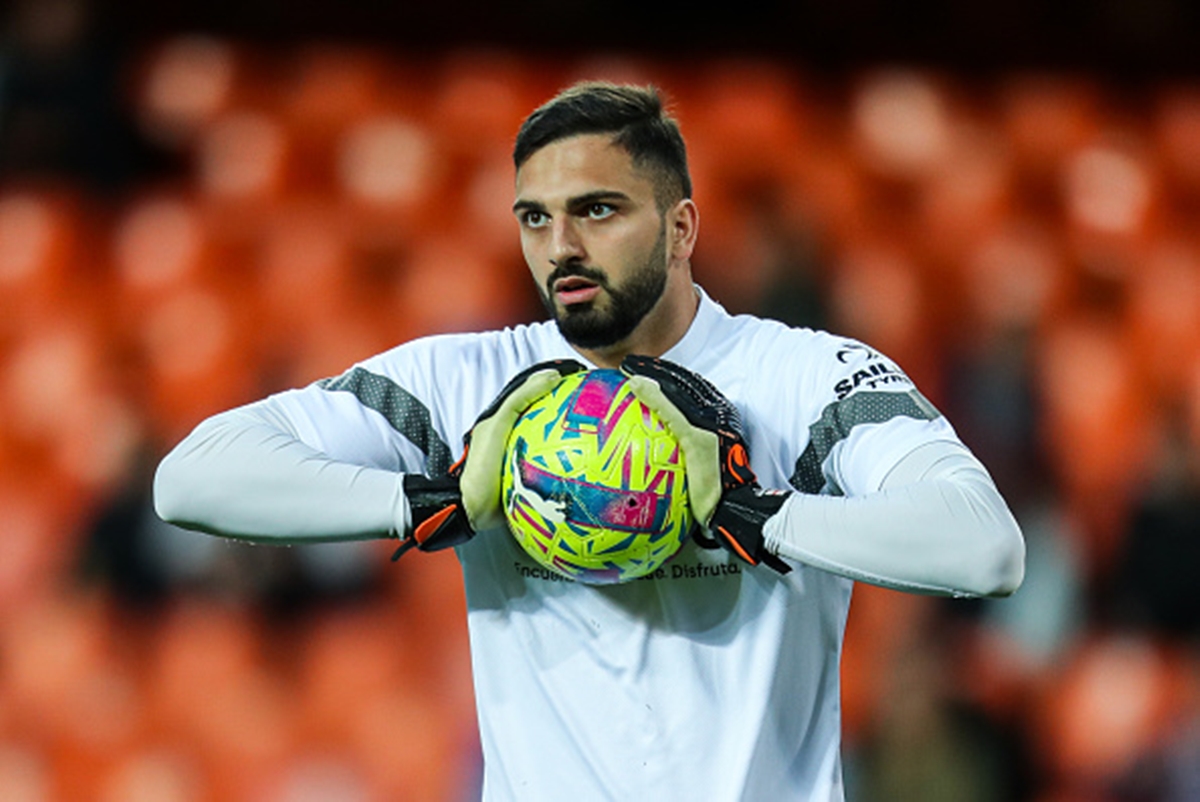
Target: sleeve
[
  {"x": 937, "y": 525},
  {"x": 324, "y": 463},
  {"x": 889, "y": 494},
  {"x": 244, "y": 474}
]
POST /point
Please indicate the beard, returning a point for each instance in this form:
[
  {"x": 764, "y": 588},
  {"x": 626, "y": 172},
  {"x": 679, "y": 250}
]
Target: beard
[{"x": 588, "y": 326}]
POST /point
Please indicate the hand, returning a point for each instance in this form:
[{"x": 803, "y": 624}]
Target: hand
[
  {"x": 723, "y": 491},
  {"x": 449, "y": 511}
]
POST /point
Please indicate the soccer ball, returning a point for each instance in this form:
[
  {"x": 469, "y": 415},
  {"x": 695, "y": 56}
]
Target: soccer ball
[{"x": 593, "y": 484}]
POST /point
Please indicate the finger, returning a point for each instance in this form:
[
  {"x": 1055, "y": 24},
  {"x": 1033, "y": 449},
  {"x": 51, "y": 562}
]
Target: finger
[
  {"x": 698, "y": 398},
  {"x": 562, "y": 367},
  {"x": 701, "y": 448}
]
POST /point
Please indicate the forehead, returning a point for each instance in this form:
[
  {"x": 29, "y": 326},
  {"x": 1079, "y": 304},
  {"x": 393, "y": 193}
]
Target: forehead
[{"x": 578, "y": 165}]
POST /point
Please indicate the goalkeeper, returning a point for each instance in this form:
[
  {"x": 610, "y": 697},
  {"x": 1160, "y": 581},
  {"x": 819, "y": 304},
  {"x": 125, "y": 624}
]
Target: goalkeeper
[{"x": 805, "y": 472}]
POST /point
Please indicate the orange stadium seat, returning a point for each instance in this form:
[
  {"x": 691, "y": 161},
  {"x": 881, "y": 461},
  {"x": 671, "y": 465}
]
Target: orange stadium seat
[
  {"x": 159, "y": 242},
  {"x": 1163, "y": 317},
  {"x": 1097, "y": 425},
  {"x": 104, "y": 717},
  {"x": 25, "y": 772},
  {"x": 1015, "y": 279},
  {"x": 744, "y": 119},
  {"x": 902, "y": 123},
  {"x": 1176, "y": 131},
  {"x": 324, "y": 91},
  {"x": 197, "y": 646},
  {"x": 349, "y": 659},
  {"x": 245, "y": 162},
  {"x": 184, "y": 83},
  {"x": 966, "y": 197},
  {"x": 48, "y": 372},
  {"x": 447, "y": 284},
  {"x": 391, "y": 171},
  {"x": 1108, "y": 708},
  {"x": 877, "y": 296},
  {"x": 433, "y": 761},
  {"x": 53, "y": 645},
  {"x": 43, "y": 264},
  {"x": 1111, "y": 198},
  {"x": 245, "y": 732},
  {"x": 479, "y": 100},
  {"x": 1045, "y": 117},
  {"x": 200, "y": 357},
  {"x": 42, "y": 516},
  {"x": 158, "y": 772}
]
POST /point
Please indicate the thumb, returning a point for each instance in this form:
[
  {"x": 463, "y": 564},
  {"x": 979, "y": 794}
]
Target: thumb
[{"x": 480, "y": 480}]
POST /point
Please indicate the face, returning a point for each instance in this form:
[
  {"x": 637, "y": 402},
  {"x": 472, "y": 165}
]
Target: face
[{"x": 593, "y": 237}]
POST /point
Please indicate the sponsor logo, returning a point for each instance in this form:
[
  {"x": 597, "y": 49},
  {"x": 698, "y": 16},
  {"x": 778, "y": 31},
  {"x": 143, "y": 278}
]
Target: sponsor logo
[
  {"x": 670, "y": 571},
  {"x": 849, "y": 351},
  {"x": 873, "y": 376}
]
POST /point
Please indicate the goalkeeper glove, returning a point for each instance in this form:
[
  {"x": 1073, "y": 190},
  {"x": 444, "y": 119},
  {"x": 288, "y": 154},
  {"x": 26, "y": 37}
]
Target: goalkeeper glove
[
  {"x": 723, "y": 491},
  {"x": 448, "y": 511}
]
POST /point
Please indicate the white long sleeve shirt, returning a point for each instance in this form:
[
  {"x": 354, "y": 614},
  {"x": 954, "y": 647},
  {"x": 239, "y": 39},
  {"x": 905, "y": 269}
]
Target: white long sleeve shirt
[{"x": 715, "y": 681}]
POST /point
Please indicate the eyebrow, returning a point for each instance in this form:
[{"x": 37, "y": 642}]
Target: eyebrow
[{"x": 598, "y": 196}]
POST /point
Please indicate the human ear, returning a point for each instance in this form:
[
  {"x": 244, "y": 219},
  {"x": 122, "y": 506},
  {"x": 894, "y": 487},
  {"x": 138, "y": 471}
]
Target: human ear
[{"x": 683, "y": 222}]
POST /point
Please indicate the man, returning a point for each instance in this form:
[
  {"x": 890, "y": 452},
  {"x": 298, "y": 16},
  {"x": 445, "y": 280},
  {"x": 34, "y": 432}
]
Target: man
[{"x": 705, "y": 684}]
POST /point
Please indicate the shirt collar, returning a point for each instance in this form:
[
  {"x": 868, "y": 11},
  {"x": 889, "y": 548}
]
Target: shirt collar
[{"x": 691, "y": 345}]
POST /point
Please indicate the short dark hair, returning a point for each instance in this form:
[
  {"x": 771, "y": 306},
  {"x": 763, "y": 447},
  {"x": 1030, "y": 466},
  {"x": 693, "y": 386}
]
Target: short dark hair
[{"x": 633, "y": 114}]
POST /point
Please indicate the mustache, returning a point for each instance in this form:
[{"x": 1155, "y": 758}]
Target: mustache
[{"x": 576, "y": 270}]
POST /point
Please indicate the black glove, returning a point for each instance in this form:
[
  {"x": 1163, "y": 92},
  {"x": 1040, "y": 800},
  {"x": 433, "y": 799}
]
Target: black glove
[
  {"x": 724, "y": 493},
  {"x": 448, "y": 511}
]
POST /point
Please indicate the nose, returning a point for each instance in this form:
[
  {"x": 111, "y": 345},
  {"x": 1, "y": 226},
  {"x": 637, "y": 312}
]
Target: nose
[{"x": 566, "y": 245}]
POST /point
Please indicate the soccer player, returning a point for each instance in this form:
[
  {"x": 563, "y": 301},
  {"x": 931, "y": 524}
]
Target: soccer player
[{"x": 718, "y": 681}]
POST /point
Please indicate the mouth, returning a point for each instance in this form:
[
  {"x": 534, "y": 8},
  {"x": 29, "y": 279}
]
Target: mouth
[{"x": 575, "y": 290}]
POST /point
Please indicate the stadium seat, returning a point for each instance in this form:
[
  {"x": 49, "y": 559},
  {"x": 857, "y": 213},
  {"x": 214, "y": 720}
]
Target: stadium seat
[
  {"x": 196, "y": 647},
  {"x": 184, "y": 83},
  {"x": 1111, "y": 198},
  {"x": 1175, "y": 125},
  {"x": 1099, "y": 450},
  {"x": 1045, "y": 117},
  {"x": 26, "y": 773},
  {"x": 1163, "y": 317},
  {"x": 1015, "y": 279},
  {"x": 901, "y": 122},
  {"x": 966, "y": 197},
  {"x": 1107, "y": 709},
  {"x": 159, "y": 242},
  {"x": 325, "y": 91},
  {"x": 245, "y": 163},
  {"x": 43, "y": 269},
  {"x": 391, "y": 171},
  {"x": 746, "y": 117},
  {"x": 483, "y": 293},
  {"x": 47, "y": 373},
  {"x": 43, "y": 516},
  {"x": 348, "y": 660},
  {"x": 431, "y": 765},
  {"x": 200, "y": 357},
  {"x": 154, "y": 772},
  {"x": 877, "y": 295},
  {"x": 479, "y": 100}
]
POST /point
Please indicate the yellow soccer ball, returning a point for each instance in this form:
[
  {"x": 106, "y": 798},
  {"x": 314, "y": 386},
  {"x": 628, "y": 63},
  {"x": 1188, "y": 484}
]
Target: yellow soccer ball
[{"x": 593, "y": 484}]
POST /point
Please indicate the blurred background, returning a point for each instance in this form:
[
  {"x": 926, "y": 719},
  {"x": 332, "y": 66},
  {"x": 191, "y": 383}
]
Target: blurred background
[{"x": 204, "y": 203}]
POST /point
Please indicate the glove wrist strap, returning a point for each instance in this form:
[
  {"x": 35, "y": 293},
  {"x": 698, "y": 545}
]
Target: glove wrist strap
[
  {"x": 438, "y": 518},
  {"x": 737, "y": 524}
]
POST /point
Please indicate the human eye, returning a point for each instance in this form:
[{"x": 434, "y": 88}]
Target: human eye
[
  {"x": 600, "y": 211},
  {"x": 533, "y": 218}
]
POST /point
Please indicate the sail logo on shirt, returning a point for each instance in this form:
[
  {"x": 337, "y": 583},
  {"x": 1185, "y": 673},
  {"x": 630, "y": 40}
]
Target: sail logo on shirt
[{"x": 876, "y": 374}]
